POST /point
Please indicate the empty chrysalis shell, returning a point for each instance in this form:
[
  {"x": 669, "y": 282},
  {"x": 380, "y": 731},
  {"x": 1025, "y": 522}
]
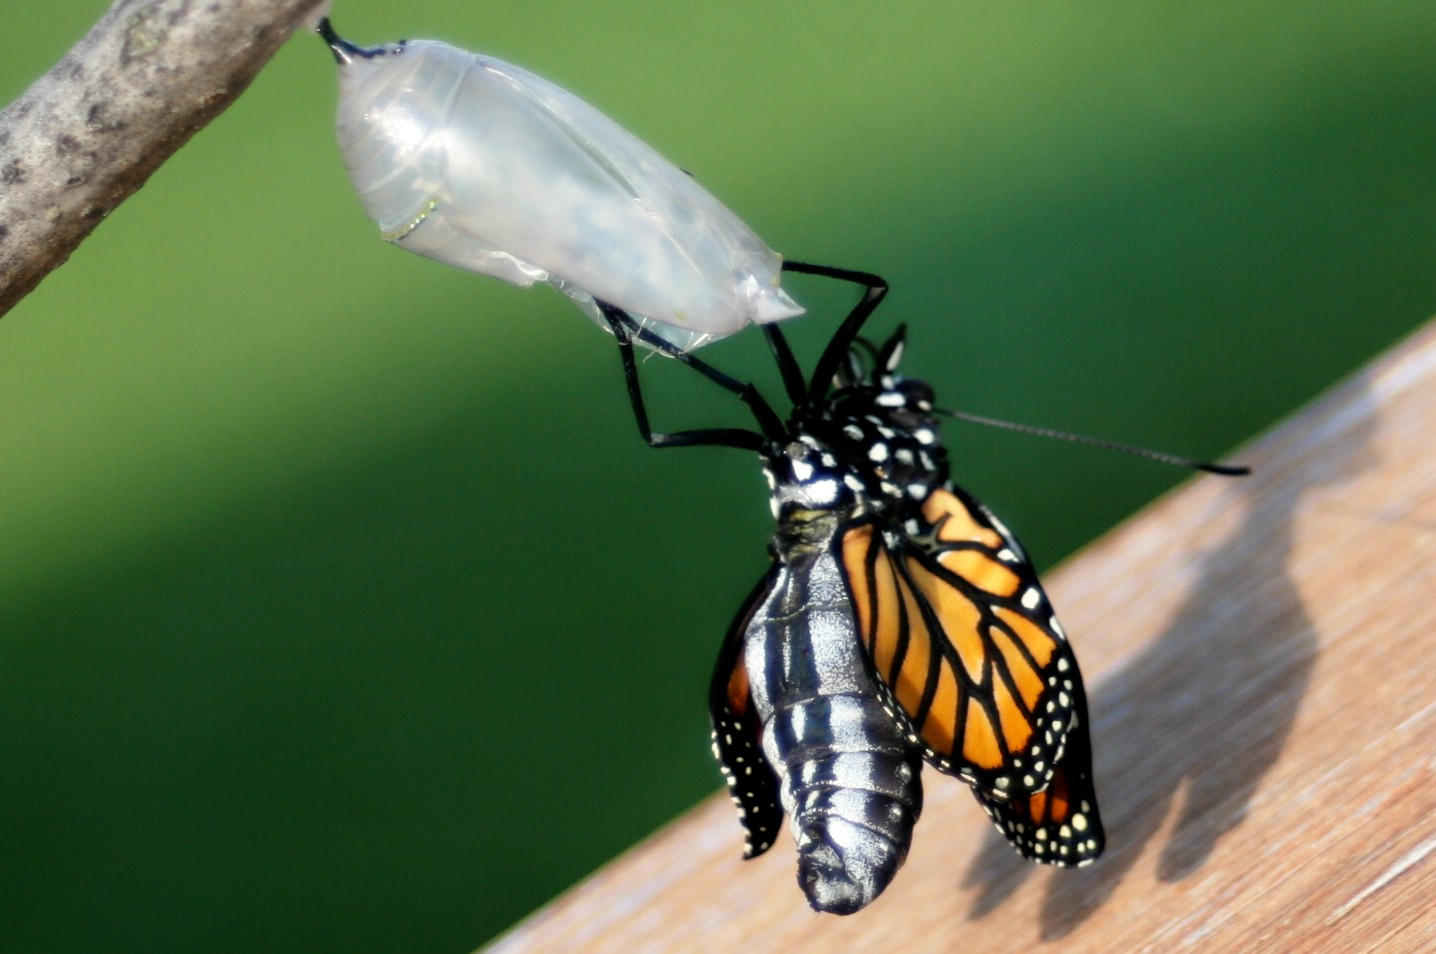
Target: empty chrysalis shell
[{"x": 476, "y": 163}]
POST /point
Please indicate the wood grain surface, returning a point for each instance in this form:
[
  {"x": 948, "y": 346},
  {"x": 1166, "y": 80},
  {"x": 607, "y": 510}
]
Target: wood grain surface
[{"x": 1259, "y": 657}]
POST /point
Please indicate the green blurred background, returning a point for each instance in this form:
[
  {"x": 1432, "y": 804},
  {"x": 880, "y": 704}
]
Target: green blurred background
[{"x": 341, "y": 608}]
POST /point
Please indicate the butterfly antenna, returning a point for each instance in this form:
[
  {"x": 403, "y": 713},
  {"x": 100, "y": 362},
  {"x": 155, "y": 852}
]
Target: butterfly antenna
[{"x": 1222, "y": 469}]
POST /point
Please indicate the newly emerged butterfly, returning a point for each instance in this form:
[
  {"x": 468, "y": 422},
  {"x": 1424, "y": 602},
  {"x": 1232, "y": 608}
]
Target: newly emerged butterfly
[
  {"x": 900, "y": 622},
  {"x": 477, "y": 163}
]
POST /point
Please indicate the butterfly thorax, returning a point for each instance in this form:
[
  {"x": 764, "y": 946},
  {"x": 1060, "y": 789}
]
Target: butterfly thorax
[{"x": 868, "y": 449}]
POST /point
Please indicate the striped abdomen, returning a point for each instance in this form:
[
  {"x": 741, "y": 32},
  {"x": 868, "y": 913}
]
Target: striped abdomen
[{"x": 848, "y": 779}]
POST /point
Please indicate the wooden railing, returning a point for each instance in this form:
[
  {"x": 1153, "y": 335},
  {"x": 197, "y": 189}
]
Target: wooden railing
[{"x": 1261, "y": 661}]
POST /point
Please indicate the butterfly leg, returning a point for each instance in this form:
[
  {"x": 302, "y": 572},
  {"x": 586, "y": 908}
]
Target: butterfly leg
[
  {"x": 837, "y": 350},
  {"x": 625, "y": 329}
]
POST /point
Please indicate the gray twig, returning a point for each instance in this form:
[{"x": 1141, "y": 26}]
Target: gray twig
[{"x": 89, "y": 132}]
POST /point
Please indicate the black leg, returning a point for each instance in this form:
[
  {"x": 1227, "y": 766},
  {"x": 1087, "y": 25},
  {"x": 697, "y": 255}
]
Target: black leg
[
  {"x": 837, "y": 350},
  {"x": 770, "y": 427},
  {"x": 624, "y": 330},
  {"x": 793, "y": 381}
]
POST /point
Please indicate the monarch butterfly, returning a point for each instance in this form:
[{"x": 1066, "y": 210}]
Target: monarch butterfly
[
  {"x": 899, "y": 622},
  {"x": 480, "y": 164}
]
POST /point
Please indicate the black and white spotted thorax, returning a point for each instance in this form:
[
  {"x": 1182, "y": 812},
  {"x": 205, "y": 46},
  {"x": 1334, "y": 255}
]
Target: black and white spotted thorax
[{"x": 867, "y": 449}]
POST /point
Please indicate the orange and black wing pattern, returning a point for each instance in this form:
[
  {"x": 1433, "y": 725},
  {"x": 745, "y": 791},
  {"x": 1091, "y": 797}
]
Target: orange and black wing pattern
[
  {"x": 738, "y": 735},
  {"x": 962, "y": 636},
  {"x": 1060, "y": 824}
]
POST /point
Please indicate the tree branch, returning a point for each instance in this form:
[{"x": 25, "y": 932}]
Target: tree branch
[{"x": 89, "y": 132}]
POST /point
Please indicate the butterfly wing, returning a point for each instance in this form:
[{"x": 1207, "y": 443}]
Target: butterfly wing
[
  {"x": 738, "y": 735},
  {"x": 960, "y": 632},
  {"x": 1060, "y": 824}
]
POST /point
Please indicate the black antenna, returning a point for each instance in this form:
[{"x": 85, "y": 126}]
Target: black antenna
[{"x": 1222, "y": 469}]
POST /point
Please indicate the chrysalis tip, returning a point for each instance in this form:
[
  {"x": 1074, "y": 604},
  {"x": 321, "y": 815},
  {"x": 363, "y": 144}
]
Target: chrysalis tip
[{"x": 344, "y": 51}]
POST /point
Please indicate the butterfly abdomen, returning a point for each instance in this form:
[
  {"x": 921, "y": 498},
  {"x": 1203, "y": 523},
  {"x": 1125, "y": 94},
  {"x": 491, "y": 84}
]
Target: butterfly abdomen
[{"x": 847, "y": 777}]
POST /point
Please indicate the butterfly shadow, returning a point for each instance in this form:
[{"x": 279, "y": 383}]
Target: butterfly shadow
[{"x": 1199, "y": 717}]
